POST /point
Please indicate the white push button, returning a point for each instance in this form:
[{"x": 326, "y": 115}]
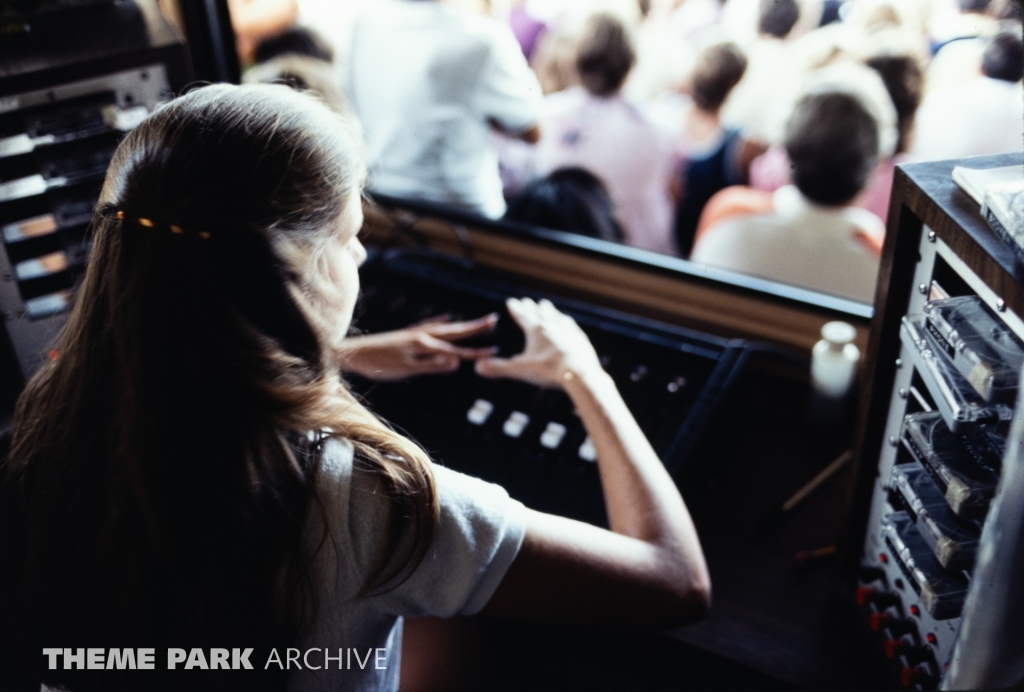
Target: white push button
[
  {"x": 479, "y": 412},
  {"x": 552, "y": 435},
  {"x": 587, "y": 451},
  {"x": 515, "y": 424}
]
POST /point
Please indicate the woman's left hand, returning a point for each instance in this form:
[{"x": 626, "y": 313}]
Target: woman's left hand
[{"x": 422, "y": 349}]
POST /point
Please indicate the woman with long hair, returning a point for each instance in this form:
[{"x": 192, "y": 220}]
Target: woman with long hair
[{"x": 191, "y": 474}]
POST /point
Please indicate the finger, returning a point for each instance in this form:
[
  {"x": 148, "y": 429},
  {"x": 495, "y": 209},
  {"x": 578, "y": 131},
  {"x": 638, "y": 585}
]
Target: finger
[
  {"x": 445, "y": 348},
  {"x": 548, "y": 310},
  {"x": 524, "y": 312},
  {"x": 441, "y": 362},
  {"x": 431, "y": 321},
  {"x": 556, "y": 316},
  {"x": 494, "y": 367},
  {"x": 455, "y": 331}
]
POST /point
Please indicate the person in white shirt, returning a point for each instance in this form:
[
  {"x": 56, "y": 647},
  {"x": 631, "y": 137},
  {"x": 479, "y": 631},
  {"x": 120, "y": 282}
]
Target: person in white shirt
[
  {"x": 813, "y": 238},
  {"x": 596, "y": 128},
  {"x": 982, "y": 116},
  {"x": 429, "y": 82},
  {"x": 193, "y": 471}
]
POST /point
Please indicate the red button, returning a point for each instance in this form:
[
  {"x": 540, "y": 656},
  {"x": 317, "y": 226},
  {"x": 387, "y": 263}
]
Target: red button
[
  {"x": 864, "y": 595},
  {"x": 883, "y": 558},
  {"x": 878, "y": 621},
  {"x": 914, "y": 610},
  {"x": 895, "y": 647},
  {"x": 932, "y": 639}
]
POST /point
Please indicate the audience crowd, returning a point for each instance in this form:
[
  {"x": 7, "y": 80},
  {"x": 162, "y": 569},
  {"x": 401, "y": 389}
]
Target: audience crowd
[{"x": 754, "y": 135}]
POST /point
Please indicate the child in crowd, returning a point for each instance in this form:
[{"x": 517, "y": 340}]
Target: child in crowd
[{"x": 714, "y": 157}]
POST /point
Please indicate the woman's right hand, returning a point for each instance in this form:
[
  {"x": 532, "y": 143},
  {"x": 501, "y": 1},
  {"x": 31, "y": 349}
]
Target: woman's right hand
[
  {"x": 649, "y": 568},
  {"x": 556, "y": 349}
]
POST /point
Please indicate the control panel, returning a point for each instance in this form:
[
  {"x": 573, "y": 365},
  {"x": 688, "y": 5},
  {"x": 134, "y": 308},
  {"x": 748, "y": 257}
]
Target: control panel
[
  {"x": 961, "y": 353},
  {"x": 526, "y": 438},
  {"x": 55, "y": 145}
]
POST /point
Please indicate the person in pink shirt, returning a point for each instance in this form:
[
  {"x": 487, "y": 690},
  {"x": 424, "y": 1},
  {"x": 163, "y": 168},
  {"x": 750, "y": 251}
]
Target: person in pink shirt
[{"x": 595, "y": 128}]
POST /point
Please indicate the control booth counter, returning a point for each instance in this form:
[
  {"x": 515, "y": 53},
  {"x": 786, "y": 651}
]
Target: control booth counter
[{"x": 715, "y": 367}]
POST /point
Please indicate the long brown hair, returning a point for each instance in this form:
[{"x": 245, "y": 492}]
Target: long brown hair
[{"x": 164, "y": 466}]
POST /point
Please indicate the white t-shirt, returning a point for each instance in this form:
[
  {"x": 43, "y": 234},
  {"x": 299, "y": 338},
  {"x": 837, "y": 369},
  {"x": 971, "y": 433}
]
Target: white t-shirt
[
  {"x": 426, "y": 79},
  {"x": 479, "y": 535},
  {"x": 983, "y": 116},
  {"x": 621, "y": 145},
  {"x": 802, "y": 243}
]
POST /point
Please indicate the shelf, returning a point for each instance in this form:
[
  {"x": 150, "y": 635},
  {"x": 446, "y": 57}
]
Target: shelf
[{"x": 928, "y": 465}]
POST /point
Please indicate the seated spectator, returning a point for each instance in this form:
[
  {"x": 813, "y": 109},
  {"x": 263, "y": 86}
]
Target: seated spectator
[
  {"x": 813, "y": 238},
  {"x": 300, "y": 58},
  {"x": 959, "y": 42},
  {"x": 295, "y": 40},
  {"x": 983, "y": 116},
  {"x": 570, "y": 199},
  {"x": 769, "y": 66},
  {"x": 712, "y": 154},
  {"x": 890, "y": 85},
  {"x": 429, "y": 81},
  {"x": 904, "y": 80},
  {"x": 972, "y": 19},
  {"x": 254, "y": 20},
  {"x": 594, "y": 127},
  {"x": 554, "y": 59}
]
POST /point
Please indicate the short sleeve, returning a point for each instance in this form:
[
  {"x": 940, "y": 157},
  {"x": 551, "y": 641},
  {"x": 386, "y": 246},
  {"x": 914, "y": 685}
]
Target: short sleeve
[
  {"x": 508, "y": 91},
  {"x": 479, "y": 535}
]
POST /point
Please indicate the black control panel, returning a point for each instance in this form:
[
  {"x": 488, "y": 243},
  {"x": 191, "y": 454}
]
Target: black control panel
[{"x": 526, "y": 438}]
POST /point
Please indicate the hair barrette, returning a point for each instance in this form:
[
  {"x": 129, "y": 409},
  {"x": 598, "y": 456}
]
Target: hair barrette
[{"x": 149, "y": 223}]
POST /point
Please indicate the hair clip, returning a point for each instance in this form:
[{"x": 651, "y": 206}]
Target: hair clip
[{"x": 149, "y": 223}]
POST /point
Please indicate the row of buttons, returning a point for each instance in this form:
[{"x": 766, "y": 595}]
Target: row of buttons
[
  {"x": 901, "y": 631},
  {"x": 516, "y": 423}
]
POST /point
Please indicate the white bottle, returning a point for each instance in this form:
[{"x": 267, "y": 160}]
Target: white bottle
[{"x": 834, "y": 360}]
